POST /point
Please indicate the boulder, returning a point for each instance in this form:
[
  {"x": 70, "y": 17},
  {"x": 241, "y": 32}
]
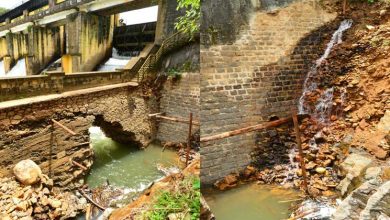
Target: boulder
[
  {"x": 384, "y": 123},
  {"x": 27, "y": 172},
  {"x": 355, "y": 164},
  {"x": 354, "y": 168}
]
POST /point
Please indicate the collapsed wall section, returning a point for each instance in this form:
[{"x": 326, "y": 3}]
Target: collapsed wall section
[
  {"x": 26, "y": 130},
  {"x": 254, "y": 78}
]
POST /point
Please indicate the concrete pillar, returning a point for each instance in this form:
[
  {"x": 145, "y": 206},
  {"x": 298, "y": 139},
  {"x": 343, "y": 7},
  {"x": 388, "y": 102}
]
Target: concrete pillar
[
  {"x": 167, "y": 15},
  {"x": 7, "y": 20},
  {"x": 25, "y": 13},
  {"x": 44, "y": 46},
  {"x": 9, "y": 62},
  {"x": 52, "y": 3},
  {"x": 71, "y": 63},
  {"x": 89, "y": 41},
  {"x": 162, "y": 10}
]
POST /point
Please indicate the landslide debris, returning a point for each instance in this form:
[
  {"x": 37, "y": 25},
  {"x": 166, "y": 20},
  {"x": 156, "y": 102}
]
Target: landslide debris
[{"x": 35, "y": 197}]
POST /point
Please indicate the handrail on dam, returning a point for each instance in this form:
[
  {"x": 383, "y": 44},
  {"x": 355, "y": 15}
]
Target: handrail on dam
[
  {"x": 39, "y": 13},
  {"x": 153, "y": 61}
]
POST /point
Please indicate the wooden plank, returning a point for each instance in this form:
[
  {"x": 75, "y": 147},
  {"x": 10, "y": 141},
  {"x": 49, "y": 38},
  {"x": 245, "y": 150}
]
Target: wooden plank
[
  {"x": 189, "y": 140},
  {"x": 246, "y": 130},
  {"x": 63, "y": 127},
  {"x": 301, "y": 154},
  {"x": 174, "y": 119}
]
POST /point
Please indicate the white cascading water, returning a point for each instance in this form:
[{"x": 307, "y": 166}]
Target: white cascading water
[
  {"x": 18, "y": 70},
  {"x": 2, "y": 72},
  {"x": 324, "y": 106},
  {"x": 309, "y": 85},
  {"x": 115, "y": 62}
]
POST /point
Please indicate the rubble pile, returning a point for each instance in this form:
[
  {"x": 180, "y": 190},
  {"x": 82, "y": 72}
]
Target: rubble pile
[{"x": 37, "y": 198}]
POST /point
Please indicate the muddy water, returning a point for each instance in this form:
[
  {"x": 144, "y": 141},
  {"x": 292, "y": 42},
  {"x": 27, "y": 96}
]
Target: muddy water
[
  {"x": 126, "y": 166},
  {"x": 251, "y": 202}
]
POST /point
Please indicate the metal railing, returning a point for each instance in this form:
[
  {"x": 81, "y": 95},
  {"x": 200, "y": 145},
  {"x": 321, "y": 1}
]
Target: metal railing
[{"x": 153, "y": 61}]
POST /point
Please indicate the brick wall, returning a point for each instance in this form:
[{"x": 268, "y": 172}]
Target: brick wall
[
  {"x": 258, "y": 76},
  {"x": 178, "y": 99}
]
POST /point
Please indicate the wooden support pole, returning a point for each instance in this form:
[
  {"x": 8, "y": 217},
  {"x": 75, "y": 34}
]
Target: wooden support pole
[
  {"x": 344, "y": 6},
  {"x": 63, "y": 127},
  {"x": 176, "y": 119},
  {"x": 189, "y": 140},
  {"x": 79, "y": 165},
  {"x": 91, "y": 200},
  {"x": 301, "y": 154},
  {"x": 246, "y": 130}
]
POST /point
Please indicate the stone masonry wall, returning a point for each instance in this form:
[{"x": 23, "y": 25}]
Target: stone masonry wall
[
  {"x": 178, "y": 99},
  {"x": 258, "y": 76},
  {"x": 26, "y": 129},
  {"x": 57, "y": 82}
]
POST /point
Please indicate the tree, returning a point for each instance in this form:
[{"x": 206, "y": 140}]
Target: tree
[
  {"x": 190, "y": 22},
  {"x": 3, "y": 10}
]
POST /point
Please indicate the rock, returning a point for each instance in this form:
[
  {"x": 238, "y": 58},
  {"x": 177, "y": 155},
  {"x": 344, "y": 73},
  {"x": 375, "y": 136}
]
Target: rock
[
  {"x": 310, "y": 165},
  {"x": 55, "y": 203},
  {"x": 319, "y": 137},
  {"x": 22, "y": 206},
  {"x": 249, "y": 171},
  {"x": 353, "y": 167},
  {"x": 27, "y": 172},
  {"x": 320, "y": 170},
  {"x": 355, "y": 164},
  {"x": 380, "y": 200},
  {"x": 4, "y": 216},
  {"x": 178, "y": 216},
  {"x": 373, "y": 172},
  {"x": 384, "y": 123},
  {"x": 370, "y": 27},
  {"x": 230, "y": 179},
  {"x": 382, "y": 12}
]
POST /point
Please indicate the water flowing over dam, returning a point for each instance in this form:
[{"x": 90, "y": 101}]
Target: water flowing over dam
[{"x": 114, "y": 62}]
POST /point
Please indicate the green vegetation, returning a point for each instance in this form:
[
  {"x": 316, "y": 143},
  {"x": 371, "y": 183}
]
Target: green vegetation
[
  {"x": 175, "y": 72},
  {"x": 3, "y": 10},
  {"x": 190, "y": 22},
  {"x": 183, "y": 200}
]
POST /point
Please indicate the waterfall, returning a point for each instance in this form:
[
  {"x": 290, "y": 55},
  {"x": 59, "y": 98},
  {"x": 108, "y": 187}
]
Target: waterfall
[
  {"x": 309, "y": 85},
  {"x": 324, "y": 106},
  {"x": 115, "y": 62},
  {"x": 18, "y": 70},
  {"x": 2, "y": 72}
]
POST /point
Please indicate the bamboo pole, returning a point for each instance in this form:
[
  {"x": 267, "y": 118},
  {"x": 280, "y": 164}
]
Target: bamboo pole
[
  {"x": 189, "y": 140},
  {"x": 91, "y": 200},
  {"x": 344, "y": 6},
  {"x": 246, "y": 130},
  {"x": 174, "y": 119},
  {"x": 301, "y": 154},
  {"x": 63, "y": 127},
  {"x": 79, "y": 165}
]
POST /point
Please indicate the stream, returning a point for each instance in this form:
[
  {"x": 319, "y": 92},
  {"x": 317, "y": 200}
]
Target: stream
[
  {"x": 125, "y": 165},
  {"x": 251, "y": 201}
]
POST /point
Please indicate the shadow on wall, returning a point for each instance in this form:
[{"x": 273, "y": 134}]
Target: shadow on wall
[{"x": 250, "y": 98}]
